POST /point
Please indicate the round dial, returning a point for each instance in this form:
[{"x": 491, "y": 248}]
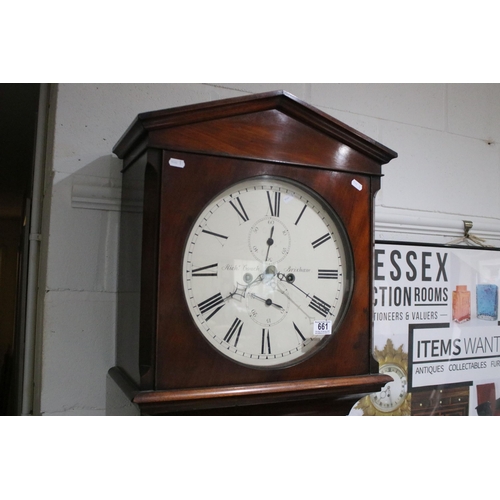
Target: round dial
[
  {"x": 267, "y": 272},
  {"x": 393, "y": 394}
]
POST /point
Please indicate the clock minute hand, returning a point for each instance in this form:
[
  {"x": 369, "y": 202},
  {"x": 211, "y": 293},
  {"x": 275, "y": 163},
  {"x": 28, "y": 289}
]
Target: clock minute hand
[{"x": 287, "y": 295}]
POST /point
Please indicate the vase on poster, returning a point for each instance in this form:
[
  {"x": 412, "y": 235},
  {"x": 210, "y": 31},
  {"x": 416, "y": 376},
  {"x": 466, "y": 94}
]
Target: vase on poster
[
  {"x": 461, "y": 304},
  {"x": 487, "y": 301}
]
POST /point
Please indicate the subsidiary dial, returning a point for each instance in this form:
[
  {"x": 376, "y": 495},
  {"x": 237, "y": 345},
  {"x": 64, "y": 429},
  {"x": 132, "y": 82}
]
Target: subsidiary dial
[
  {"x": 269, "y": 240},
  {"x": 265, "y": 305}
]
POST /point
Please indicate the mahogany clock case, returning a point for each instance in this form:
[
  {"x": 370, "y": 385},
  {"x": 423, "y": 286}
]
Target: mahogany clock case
[
  {"x": 219, "y": 144},
  {"x": 187, "y": 360}
]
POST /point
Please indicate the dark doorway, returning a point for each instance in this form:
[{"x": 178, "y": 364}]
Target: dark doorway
[{"x": 18, "y": 119}]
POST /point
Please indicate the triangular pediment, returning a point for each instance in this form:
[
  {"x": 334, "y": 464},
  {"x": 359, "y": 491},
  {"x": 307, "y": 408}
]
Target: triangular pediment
[{"x": 275, "y": 126}]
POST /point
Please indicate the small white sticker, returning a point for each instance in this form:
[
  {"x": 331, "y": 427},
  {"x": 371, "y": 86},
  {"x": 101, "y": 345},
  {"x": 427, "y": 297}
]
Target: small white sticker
[
  {"x": 357, "y": 184},
  {"x": 322, "y": 327},
  {"x": 175, "y": 162}
]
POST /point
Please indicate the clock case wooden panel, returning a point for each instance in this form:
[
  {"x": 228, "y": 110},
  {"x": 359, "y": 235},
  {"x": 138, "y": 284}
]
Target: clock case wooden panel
[{"x": 161, "y": 357}]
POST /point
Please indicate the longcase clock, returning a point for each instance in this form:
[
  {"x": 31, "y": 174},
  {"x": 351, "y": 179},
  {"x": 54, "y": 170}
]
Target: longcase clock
[{"x": 246, "y": 259}]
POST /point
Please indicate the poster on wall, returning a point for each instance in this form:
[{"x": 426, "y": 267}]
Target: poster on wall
[{"x": 436, "y": 330}]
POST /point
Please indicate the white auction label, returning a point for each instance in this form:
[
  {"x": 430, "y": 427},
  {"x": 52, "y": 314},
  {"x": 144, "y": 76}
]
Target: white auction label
[
  {"x": 322, "y": 327},
  {"x": 175, "y": 162},
  {"x": 357, "y": 184}
]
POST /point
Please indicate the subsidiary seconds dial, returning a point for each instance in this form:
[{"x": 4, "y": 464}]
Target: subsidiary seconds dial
[{"x": 264, "y": 261}]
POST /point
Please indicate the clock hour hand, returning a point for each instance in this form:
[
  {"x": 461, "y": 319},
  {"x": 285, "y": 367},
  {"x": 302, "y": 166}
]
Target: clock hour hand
[{"x": 268, "y": 302}]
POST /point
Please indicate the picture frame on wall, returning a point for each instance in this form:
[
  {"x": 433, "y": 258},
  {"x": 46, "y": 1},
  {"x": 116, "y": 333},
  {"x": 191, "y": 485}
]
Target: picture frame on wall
[{"x": 436, "y": 330}]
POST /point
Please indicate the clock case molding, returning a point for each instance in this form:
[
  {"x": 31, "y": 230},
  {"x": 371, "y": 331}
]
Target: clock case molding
[{"x": 164, "y": 365}]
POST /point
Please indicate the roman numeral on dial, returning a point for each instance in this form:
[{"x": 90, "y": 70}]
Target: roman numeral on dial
[
  {"x": 215, "y": 302},
  {"x": 300, "y": 215},
  {"x": 266, "y": 342},
  {"x": 234, "y": 331},
  {"x": 274, "y": 203},
  {"x": 240, "y": 211},
  {"x": 210, "y": 270},
  {"x": 320, "y": 306},
  {"x": 321, "y": 240},
  {"x": 299, "y": 332},
  {"x": 331, "y": 274}
]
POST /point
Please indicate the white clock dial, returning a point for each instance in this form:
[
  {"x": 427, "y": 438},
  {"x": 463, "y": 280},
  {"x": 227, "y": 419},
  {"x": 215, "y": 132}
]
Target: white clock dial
[
  {"x": 393, "y": 394},
  {"x": 263, "y": 261}
]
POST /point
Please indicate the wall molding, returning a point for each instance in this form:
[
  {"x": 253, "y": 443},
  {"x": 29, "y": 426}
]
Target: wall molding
[
  {"x": 95, "y": 196},
  {"x": 99, "y": 193},
  {"x": 433, "y": 225},
  {"x": 102, "y": 194}
]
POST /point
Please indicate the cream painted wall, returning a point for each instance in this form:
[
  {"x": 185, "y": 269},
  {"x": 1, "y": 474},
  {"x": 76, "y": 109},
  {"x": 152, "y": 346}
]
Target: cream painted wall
[{"x": 448, "y": 170}]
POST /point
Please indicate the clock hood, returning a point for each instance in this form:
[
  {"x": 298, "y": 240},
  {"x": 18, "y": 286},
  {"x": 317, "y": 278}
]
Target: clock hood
[{"x": 257, "y": 126}]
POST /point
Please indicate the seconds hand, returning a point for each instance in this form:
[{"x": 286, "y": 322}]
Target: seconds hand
[{"x": 270, "y": 241}]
